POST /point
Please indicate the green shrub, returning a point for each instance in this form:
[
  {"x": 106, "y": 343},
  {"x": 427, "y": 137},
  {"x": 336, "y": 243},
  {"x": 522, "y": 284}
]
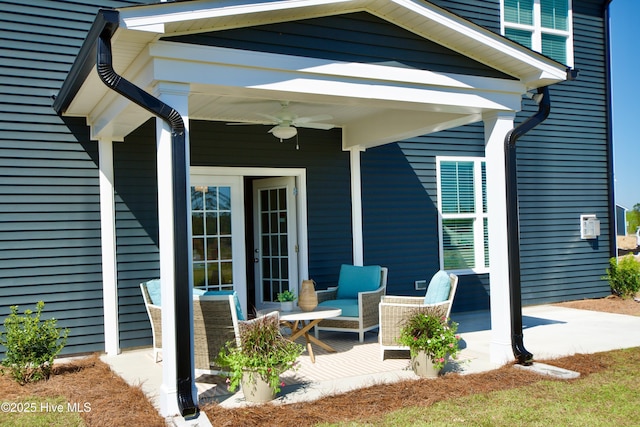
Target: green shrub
[
  {"x": 31, "y": 344},
  {"x": 624, "y": 276}
]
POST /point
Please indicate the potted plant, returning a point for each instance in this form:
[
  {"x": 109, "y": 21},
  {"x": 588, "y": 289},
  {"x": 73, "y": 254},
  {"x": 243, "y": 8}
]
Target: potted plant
[
  {"x": 264, "y": 353},
  {"x": 431, "y": 338},
  {"x": 286, "y": 299}
]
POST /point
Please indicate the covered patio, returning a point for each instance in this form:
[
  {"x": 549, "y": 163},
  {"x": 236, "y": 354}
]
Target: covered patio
[{"x": 550, "y": 332}]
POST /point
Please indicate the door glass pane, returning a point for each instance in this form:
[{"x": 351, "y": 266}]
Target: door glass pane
[
  {"x": 197, "y": 224},
  {"x": 212, "y": 249},
  {"x": 199, "y": 273},
  {"x": 225, "y": 248},
  {"x": 198, "y": 249},
  {"x": 211, "y": 229},
  {"x": 211, "y": 225},
  {"x": 224, "y": 198},
  {"x": 274, "y": 238}
]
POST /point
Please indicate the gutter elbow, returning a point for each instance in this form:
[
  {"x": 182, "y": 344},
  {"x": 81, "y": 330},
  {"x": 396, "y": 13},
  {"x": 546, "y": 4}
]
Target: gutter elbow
[{"x": 572, "y": 74}]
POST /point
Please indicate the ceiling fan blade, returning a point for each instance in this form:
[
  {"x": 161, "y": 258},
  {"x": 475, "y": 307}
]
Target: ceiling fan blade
[
  {"x": 323, "y": 126},
  {"x": 247, "y": 123},
  {"x": 274, "y": 119}
]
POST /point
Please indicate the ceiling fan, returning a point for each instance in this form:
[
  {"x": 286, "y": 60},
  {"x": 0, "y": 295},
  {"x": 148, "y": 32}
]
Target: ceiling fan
[{"x": 286, "y": 123}]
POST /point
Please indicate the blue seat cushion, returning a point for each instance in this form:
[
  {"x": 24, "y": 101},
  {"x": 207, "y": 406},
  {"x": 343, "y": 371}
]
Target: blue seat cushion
[
  {"x": 153, "y": 289},
  {"x": 439, "y": 288},
  {"x": 354, "y": 279},
  {"x": 197, "y": 291},
  {"x": 349, "y": 307}
]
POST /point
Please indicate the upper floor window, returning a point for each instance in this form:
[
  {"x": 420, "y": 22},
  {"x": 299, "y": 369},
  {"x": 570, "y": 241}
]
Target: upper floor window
[{"x": 542, "y": 25}]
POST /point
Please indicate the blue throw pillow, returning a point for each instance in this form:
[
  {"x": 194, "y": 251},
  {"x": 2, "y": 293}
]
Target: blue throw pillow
[
  {"x": 354, "y": 279},
  {"x": 236, "y": 300},
  {"x": 153, "y": 289},
  {"x": 439, "y": 288}
]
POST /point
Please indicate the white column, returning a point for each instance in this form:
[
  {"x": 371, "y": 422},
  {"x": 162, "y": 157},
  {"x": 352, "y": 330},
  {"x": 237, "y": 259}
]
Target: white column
[
  {"x": 356, "y": 206},
  {"x": 176, "y": 96},
  {"x": 496, "y": 127},
  {"x": 108, "y": 244}
]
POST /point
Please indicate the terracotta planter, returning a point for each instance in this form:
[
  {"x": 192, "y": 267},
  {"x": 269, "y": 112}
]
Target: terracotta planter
[
  {"x": 423, "y": 366},
  {"x": 256, "y": 389},
  {"x": 307, "y": 300}
]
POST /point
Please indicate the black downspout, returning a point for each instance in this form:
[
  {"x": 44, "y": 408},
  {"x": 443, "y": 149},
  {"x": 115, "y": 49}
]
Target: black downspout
[
  {"x": 522, "y": 356},
  {"x": 184, "y": 368}
]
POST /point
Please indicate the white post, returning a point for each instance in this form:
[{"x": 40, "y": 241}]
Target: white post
[
  {"x": 356, "y": 206},
  {"x": 496, "y": 127},
  {"x": 176, "y": 96},
  {"x": 108, "y": 244}
]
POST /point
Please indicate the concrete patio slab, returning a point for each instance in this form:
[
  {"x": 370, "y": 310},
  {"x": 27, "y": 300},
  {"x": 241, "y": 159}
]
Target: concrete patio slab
[{"x": 549, "y": 332}]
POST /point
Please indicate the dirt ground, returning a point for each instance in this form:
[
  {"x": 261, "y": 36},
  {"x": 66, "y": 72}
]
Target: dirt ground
[
  {"x": 114, "y": 403},
  {"x": 627, "y": 242}
]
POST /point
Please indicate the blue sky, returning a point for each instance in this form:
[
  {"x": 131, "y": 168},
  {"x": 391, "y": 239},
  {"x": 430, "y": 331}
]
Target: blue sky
[{"x": 625, "y": 58}]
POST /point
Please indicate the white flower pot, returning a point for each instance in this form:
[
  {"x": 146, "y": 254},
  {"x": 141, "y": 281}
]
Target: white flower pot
[
  {"x": 256, "y": 389},
  {"x": 286, "y": 306},
  {"x": 423, "y": 366}
]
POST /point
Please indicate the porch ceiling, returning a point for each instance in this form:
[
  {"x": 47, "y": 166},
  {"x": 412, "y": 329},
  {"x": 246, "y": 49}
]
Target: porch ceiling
[{"x": 373, "y": 104}]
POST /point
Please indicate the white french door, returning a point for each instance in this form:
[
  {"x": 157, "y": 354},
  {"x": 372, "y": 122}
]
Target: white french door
[
  {"x": 218, "y": 237},
  {"x": 275, "y": 238}
]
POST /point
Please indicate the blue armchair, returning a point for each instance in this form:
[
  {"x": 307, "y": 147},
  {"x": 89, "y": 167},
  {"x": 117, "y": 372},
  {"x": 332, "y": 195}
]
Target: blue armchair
[{"x": 358, "y": 294}]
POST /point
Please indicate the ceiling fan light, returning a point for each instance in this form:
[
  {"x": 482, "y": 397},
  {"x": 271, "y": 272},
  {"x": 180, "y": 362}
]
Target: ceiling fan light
[{"x": 284, "y": 132}]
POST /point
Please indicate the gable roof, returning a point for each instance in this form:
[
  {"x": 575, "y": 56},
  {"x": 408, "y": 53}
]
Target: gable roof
[
  {"x": 451, "y": 100},
  {"x": 419, "y": 17}
]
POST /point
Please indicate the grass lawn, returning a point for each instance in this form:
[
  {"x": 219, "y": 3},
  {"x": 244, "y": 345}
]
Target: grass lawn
[{"x": 607, "y": 398}]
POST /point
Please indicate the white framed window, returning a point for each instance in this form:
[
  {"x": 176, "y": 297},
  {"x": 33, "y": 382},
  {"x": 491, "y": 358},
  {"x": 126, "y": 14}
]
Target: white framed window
[
  {"x": 545, "y": 26},
  {"x": 463, "y": 217}
]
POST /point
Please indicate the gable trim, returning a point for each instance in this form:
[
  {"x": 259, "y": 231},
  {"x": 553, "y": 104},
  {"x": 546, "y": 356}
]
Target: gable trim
[{"x": 419, "y": 17}]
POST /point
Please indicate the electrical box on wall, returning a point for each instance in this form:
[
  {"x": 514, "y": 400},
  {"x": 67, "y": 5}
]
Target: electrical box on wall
[
  {"x": 420, "y": 285},
  {"x": 589, "y": 227}
]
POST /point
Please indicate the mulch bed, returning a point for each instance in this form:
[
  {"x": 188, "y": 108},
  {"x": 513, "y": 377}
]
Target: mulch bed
[
  {"x": 89, "y": 380},
  {"x": 115, "y": 403}
]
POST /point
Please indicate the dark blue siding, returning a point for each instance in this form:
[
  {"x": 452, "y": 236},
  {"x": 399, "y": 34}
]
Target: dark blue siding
[
  {"x": 485, "y": 13},
  {"x": 563, "y": 173},
  {"x": 358, "y": 37},
  {"x": 49, "y": 195},
  {"x": 136, "y": 229}
]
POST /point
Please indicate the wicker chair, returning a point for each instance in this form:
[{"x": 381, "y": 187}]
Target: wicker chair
[
  {"x": 155, "y": 318},
  {"x": 368, "y": 303},
  {"x": 394, "y": 309},
  {"x": 215, "y": 322}
]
